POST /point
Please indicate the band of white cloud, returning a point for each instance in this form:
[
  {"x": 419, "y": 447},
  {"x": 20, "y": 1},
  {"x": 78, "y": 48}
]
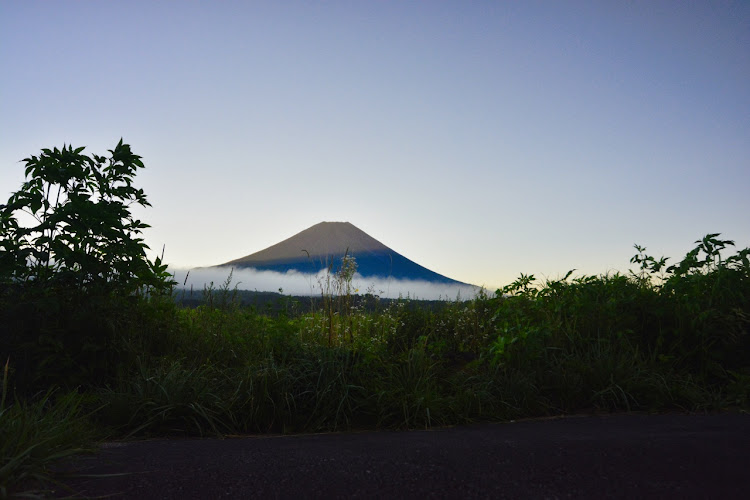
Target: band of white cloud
[{"x": 301, "y": 284}]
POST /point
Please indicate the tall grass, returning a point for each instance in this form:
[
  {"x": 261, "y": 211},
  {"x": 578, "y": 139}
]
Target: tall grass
[
  {"x": 36, "y": 434},
  {"x": 651, "y": 340}
]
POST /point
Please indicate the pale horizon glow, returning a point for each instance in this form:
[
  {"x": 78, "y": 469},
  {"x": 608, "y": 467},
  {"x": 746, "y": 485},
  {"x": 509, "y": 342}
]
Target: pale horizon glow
[{"x": 480, "y": 140}]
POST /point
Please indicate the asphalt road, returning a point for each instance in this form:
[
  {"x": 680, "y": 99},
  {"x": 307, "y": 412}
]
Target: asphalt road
[{"x": 619, "y": 456}]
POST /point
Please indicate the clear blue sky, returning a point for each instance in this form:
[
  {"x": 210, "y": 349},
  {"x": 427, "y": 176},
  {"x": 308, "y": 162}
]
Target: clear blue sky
[{"x": 480, "y": 139}]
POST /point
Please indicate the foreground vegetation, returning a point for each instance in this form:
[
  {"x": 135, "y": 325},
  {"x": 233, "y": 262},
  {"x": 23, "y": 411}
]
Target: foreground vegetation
[{"x": 96, "y": 345}]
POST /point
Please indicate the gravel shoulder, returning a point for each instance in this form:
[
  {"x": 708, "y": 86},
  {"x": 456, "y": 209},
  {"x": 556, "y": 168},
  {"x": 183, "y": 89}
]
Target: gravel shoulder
[{"x": 617, "y": 456}]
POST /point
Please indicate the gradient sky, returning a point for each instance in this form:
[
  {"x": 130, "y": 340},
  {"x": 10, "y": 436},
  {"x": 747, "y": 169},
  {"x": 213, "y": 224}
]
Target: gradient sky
[{"x": 479, "y": 139}]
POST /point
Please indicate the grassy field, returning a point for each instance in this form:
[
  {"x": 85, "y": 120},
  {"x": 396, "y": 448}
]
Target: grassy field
[{"x": 81, "y": 368}]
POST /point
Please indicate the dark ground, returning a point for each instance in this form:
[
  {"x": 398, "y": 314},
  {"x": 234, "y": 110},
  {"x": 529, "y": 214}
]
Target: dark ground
[{"x": 619, "y": 456}]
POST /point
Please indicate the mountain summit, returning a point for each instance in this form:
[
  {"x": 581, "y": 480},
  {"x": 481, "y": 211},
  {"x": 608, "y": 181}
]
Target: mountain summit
[{"x": 325, "y": 244}]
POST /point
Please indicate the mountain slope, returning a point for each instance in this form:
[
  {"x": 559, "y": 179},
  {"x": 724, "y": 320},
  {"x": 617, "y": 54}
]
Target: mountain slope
[{"x": 326, "y": 243}]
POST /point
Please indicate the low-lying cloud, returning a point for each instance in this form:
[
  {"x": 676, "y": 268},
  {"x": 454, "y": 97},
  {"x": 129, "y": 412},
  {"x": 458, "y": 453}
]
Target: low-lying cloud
[{"x": 301, "y": 284}]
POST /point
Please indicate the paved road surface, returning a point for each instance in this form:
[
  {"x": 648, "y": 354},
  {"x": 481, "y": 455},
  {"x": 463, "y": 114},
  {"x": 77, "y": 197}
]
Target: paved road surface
[{"x": 620, "y": 456}]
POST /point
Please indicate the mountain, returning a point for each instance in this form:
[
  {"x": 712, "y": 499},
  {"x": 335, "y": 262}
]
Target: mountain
[{"x": 326, "y": 243}]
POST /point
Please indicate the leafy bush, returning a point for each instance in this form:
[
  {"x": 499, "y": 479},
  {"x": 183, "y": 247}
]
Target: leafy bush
[
  {"x": 72, "y": 265},
  {"x": 83, "y": 235},
  {"x": 659, "y": 337}
]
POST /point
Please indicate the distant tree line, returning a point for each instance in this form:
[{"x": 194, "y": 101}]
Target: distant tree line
[{"x": 275, "y": 304}]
